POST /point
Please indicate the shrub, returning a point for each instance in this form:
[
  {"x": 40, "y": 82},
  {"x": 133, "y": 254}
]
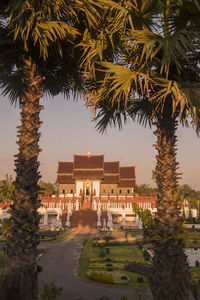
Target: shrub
[
  {"x": 109, "y": 265},
  {"x": 123, "y": 297},
  {"x": 140, "y": 279},
  {"x": 123, "y": 277},
  {"x": 140, "y": 245},
  {"x": 195, "y": 278},
  {"x": 101, "y": 254},
  {"x": 108, "y": 259},
  {"x": 197, "y": 263},
  {"x": 146, "y": 255},
  {"x": 51, "y": 291},
  {"x": 107, "y": 238},
  {"x": 120, "y": 260},
  {"x": 102, "y": 277}
]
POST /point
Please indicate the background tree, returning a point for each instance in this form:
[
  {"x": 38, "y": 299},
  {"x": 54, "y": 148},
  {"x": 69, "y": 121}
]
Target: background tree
[
  {"x": 48, "y": 187},
  {"x": 6, "y": 189},
  {"x": 148, "y": 222},
  {"x": 144, "y": 189},
  {"x": 191, "y": 195}
]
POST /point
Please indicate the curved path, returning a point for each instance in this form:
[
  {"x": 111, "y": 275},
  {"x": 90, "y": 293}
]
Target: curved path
[{"x": 60, "y": 263}]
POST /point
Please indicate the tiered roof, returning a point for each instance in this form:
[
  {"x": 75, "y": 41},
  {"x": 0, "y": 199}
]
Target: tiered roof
[
  {"x": 93, "y": 167},
  {"x": 127, "y": 176}
]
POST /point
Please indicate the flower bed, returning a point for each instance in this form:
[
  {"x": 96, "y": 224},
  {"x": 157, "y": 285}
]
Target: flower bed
[
  {"x": 119, "y": 259},
  {"x": 108, "y": 277},
  {"x": 105, "y": 266}
]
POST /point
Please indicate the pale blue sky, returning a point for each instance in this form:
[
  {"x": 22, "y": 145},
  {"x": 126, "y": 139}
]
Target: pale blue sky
[{"x": 68, "y": 129}]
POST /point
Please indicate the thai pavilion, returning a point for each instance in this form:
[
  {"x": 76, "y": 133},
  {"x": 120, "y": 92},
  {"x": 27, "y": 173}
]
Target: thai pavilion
[
  {"x": 90, "y": 174},
  {"x": 93, "y": 193}
]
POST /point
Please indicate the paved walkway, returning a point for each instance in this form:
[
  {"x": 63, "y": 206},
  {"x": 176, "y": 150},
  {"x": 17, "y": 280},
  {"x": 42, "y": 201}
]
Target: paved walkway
[{"x": 60, "y": 263}]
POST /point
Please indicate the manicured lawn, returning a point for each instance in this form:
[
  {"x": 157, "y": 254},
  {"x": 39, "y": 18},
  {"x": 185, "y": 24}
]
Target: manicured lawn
[
  {"x": 1, "y": 262},
  {"x": 127, "y": 251},
  {"x": 119, "y": 251}
]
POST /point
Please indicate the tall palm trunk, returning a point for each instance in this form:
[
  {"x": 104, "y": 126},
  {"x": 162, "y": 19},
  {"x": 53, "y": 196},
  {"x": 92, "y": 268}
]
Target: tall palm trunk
[
  {"x": 170, "y": 280},
  {"x": 19, "y": 279}
]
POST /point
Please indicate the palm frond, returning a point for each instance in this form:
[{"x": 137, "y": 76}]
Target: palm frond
[
  {"x": 109, "y": 114},
  {"x": 120, "y": 83}
]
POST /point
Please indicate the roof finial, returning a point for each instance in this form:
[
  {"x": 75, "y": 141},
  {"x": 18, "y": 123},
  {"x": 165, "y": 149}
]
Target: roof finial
[{"x": 89, "y": 153}]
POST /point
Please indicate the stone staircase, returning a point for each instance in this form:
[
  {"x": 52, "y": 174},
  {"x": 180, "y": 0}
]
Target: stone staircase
[
  {"x": 84, "y": 218},
  {"x": 86, "y": 204}
]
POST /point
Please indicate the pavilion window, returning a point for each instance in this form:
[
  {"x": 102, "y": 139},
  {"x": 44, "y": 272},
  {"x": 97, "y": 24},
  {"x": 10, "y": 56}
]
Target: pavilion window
[
  {"x": 128, "y": 191},
  {"x": 112, "y": 191},
  {"x": 120, "y": 191},
  {"x": 63, "y": 191},
  {"x": 71, "y": 191}
]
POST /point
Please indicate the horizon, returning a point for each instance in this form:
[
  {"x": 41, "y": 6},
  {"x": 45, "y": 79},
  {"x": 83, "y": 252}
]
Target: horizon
[{"x": 67, "y": 129}]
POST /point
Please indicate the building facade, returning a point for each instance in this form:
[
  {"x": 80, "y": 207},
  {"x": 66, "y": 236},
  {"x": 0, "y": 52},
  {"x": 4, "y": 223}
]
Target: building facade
[{"x": 91, "y": 175}]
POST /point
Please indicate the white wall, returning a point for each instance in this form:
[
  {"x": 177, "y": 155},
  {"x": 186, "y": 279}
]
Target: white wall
[
  {"x": 79, "y": 186},
  {"x": 96, "y": 186}
]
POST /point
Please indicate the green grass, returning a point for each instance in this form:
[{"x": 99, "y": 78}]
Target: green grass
[
  {"x": 128, "y": 251},
  {"x": 1, "y": 262},
  {"x": 133, "y": 283},
  {"x": 195, "y": 269},
  {"x": 122, "y": 251},
  {"x": 56, "y": 237}
]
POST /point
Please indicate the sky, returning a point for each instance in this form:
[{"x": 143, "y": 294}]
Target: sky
[{"x": 68, "y": 129}]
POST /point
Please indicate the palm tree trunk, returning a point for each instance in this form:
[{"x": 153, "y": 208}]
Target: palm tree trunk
[
  {"x": 19, "y": 279},
  {"x": 170, "y": 278}
]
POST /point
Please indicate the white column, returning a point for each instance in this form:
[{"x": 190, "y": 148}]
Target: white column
[
  {"x": 68, "y": 220},
  {"x": 99, "y": 219},
  {"x": 79, "y": 186},
  {"x": 123, "y": 219},
  {"x": 110, "y": 223},
  {"x": 96, "y": 187},
  {"x": 58, "y": 217},
  {"x": 77, "y": 205},
  {"x": 45, "y": 218}
]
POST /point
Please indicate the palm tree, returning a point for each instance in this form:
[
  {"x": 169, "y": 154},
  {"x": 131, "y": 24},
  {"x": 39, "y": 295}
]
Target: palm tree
[
  {"x": 37, "y": 56},
  {"x": 154, "y": 78}
]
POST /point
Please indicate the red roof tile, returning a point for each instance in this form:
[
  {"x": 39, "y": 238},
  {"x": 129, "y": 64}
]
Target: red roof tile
[
  {"x": 127, "y": 172},
  {"x": 88, "y": 161},
  {"x": 65, "y": 179},
  {"x": 88, "y": 174},
  {"x": 65, "y": 167},
  {"x": 111, "y": 167},
  {"x": 110, "y": 179}
]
